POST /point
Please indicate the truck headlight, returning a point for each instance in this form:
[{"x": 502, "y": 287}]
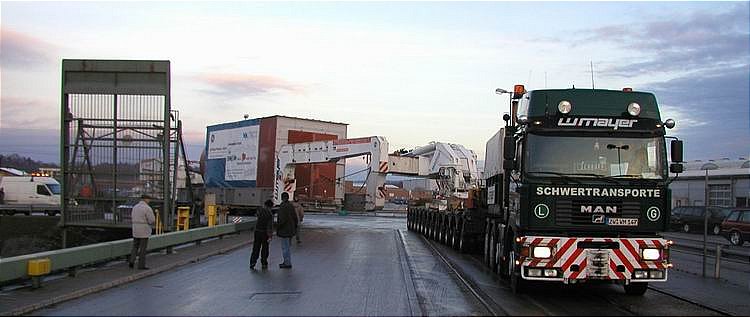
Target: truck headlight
[
  {"x": 541, "y": 252},
  {"x": 650, "y": 254}
]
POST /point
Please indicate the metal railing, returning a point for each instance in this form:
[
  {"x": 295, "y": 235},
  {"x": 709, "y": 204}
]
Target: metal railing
[{"x": 15, "y": 268}]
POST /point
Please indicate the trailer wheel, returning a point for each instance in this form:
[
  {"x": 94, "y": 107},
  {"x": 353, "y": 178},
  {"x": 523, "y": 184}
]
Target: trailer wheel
[
  {"x": 423, "y": 223},
  {"x": 486, "y": 252},
  {"x": 462, "y": 243},
  {"x": 456, "y": 232},
  {"x": 636, "y": 289},
  {"x": 493, "y": 250},
  {"x": 449, "y": 230},
  {"x": 440, "y": 224}
]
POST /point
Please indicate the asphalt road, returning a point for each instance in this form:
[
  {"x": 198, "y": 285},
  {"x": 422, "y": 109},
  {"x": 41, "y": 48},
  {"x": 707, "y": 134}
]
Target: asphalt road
[
  {"x": 361, "y": 266},
  {"x": 345, "y": 266}
]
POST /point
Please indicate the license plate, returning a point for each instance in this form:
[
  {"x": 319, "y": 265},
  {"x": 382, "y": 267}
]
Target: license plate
[{"x": 631, "y": 222}]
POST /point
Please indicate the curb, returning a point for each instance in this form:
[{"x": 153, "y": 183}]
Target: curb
[{"x": 121, "y": 281}]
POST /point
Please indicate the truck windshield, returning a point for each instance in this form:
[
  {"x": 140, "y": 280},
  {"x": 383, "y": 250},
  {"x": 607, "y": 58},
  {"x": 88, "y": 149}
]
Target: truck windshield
[
  {"x": 54, "y": 188},
  {"x": 637, "y": 158}
]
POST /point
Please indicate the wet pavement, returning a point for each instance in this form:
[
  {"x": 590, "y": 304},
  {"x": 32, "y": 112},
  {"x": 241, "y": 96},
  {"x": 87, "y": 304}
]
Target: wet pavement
[
  {"x": 365, "y": 265},
  {"x": 344, "y": 266}
]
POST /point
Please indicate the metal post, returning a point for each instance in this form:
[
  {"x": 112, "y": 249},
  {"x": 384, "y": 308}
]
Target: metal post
[
  {"x": 705, "y": 226},
  {"x": 717, "y": 266}
]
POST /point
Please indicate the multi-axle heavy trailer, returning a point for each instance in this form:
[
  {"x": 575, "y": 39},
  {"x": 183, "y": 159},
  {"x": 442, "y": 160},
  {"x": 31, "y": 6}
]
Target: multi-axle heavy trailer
[{"x": 575, "y": 189}]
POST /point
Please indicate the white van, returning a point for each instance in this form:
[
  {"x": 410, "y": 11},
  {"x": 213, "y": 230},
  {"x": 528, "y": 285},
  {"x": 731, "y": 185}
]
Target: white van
[{"x": 31, "y": 191}]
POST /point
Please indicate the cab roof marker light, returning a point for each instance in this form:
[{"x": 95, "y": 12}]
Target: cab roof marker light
[{"x": 634, "y": 109}]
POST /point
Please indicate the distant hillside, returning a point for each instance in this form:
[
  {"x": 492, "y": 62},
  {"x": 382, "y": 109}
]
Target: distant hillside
[{"x": 23, "y": 163}]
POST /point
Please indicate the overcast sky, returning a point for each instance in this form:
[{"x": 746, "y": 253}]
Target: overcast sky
[{"x": 412, "y": 72}]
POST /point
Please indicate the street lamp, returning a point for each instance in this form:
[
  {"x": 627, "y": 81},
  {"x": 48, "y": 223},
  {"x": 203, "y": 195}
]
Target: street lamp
[{"x": 706, "y": 167}]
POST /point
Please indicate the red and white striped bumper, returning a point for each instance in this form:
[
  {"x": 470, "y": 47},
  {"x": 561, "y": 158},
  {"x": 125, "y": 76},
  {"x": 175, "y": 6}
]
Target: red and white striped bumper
[{"x": 583, "y": 258}]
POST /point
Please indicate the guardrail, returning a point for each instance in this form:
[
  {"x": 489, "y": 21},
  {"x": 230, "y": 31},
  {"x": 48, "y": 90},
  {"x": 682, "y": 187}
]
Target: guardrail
[{"x": 15, "y": 268}]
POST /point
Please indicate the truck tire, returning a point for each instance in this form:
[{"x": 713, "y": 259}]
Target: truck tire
[
  {"x": 440, "y": 224},
  {"x": 419, "y": 219},
  {"x": 492, "y": 256},
  {"x": 636, "y": 289},
  {"x": 517, "y": 284},
  {"x": 462, "y": 243},
  {"x": 456, "y": 232},
  {"x": 450, "y": 230},
  {"x": 486, "y": 250}
]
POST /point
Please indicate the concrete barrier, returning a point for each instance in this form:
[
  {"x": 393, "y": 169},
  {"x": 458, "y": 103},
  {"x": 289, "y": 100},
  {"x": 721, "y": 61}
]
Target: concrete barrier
[{"x": 14, "y": 268}]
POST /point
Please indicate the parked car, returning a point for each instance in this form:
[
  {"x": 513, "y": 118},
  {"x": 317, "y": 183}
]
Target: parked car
[
  {"x": 691, "y": 218},
  {"x": 736, "y": 228}
]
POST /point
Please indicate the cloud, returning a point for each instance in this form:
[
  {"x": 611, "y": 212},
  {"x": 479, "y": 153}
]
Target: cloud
[
  {"x": 697, "y": 42},
  {"x": 239, "y": 85},
  {"x": 712, "y": 110},
  {"x": 20, "y": 50},
  {"x": 27, "y": 113}
]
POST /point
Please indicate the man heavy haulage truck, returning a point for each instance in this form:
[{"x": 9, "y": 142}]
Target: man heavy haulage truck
[{"x": 576, "y": 189}]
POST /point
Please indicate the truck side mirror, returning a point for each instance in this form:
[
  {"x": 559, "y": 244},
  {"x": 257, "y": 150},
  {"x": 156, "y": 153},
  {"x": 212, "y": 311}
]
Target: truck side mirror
[
  {"x": 675, "y": 168},
  {"x": 509, "y": 148},
  {"x": 676, "y": 151}
]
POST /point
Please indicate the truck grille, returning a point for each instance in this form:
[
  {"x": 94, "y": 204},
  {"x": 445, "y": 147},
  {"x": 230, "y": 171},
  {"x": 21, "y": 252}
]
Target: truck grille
[{"x": 568, "y": 212}]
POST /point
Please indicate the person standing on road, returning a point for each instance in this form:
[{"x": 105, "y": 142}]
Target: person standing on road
[
  {"x": 300, "y": 216},
  {"x": 142, "y": 217},
  {"x": 286, "y": 228},
  {"x": 263, "y": 234}
]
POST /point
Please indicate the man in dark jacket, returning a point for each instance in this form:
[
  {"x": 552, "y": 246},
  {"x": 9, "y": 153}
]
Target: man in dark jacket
[
  {"x": 263, "y": 233},
  {"x": 286, "y": 228}
]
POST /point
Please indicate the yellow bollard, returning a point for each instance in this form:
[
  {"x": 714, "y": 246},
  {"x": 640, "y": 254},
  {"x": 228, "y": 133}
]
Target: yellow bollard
[
  {"x": 183, "y": 218},
  {"x": 158, "y": 224},
  {"x": 211, "y": 215},
  {"x": 36, "y": 269}
]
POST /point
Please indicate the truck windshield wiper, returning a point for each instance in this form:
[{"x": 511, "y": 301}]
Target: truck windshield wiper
[
  {"x": 568, "y": 176},
  {"x": 561, "y": 175}
]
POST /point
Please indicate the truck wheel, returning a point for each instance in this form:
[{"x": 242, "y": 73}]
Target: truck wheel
[
  {"x": 486, "y": 252},
  {"x": 419, "y": 220},
  {"x": 636, "y": 289},
  {"x": 493, "y": 263},
  {"x": 516, "y": 281},
  {"x": 736, "y": 238},
  {"x": 451, "y": 230},
  {"x": 456, "y": 232},
  {"x": 440, "y": 228},
  {"x": 500, "y": 266},
  {"x": 462, "y": 243}
]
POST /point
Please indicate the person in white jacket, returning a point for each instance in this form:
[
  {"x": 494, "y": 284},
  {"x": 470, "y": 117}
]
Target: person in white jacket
[{"x": 142, "y": 217}]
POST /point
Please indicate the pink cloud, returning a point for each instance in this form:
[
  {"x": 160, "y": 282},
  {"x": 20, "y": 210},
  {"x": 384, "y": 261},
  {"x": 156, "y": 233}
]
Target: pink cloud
[
  {"x": 247, "y": 85},
  {"x": 22, "y": 50},
  {"x": 28, "y": 113}
]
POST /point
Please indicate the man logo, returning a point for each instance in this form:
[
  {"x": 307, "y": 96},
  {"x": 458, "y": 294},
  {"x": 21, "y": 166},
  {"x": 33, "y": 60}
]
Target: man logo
[
  {"x": 597, "y": 218},
  {"x": 653, "y": 213},
  {"x": 541, "y": 211}
]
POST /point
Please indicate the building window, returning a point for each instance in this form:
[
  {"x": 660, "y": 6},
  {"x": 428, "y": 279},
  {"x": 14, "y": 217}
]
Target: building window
[
  {"x": 719, "y": 195},
  {"x": 741, "y": 202}
]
